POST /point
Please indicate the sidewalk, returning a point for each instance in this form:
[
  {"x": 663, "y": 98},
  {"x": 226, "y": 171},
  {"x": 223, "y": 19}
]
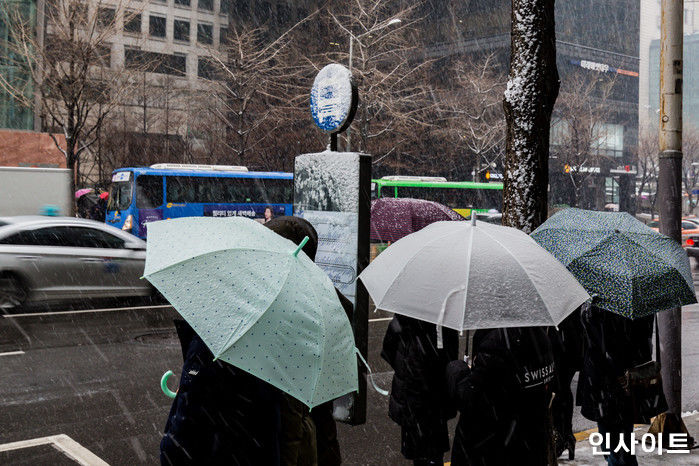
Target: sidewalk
[{"x": 584, "y": 456}]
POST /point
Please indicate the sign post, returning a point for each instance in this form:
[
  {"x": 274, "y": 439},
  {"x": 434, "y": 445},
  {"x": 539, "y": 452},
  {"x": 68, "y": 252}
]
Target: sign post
[{"x": 332, "y": 190}]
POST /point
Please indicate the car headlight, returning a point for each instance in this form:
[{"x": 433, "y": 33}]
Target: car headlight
[{"x": 128, "y": 223}]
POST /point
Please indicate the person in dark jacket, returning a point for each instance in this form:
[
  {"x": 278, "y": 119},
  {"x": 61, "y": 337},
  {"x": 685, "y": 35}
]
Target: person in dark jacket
[
  {"x": 221, "y": 414},
  {"x": 418, "y": 402},
  {"x": 614, "y": 344},
  {"x": 567, "y": 343},
  {"x": 504, "y": 399},
  {"x": 307, "y": 436}
]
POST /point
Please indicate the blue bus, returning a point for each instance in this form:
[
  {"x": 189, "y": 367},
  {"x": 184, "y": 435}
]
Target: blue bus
[{"x": 167, "y": 190}]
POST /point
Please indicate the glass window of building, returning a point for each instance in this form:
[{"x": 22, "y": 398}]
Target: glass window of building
[
  {"x": 181, "y": 30},
  {"x": 223, "y": 36},
  {"x": 207, "y": 5},
  {"x": 132, "y": 22},
  {"x": 206, "y": 68},
  {"x": 182, "y": 2},
  {"x": 205, "y": 33},
  {"x": 157, "y": 26},
  {"x": 105, "y": 17}
]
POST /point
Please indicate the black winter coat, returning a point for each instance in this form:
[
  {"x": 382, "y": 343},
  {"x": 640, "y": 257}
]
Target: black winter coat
[
  {"x": 503, "y": 399},
  {"x": 613, "y": 344},
  {"x": 221, "y": 414},
  {"x": 418, "y": 400}
]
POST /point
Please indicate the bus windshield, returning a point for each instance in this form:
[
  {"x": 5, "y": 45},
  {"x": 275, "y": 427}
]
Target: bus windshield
[{"x": 120, "y": 195}]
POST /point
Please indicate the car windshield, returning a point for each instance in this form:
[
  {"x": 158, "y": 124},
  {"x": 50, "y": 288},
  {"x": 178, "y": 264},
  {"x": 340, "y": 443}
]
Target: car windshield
[{"x": 120, "y": 195}]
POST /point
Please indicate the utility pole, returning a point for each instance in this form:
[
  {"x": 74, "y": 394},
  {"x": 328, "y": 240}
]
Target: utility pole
[{"x": 669, "y": 193}]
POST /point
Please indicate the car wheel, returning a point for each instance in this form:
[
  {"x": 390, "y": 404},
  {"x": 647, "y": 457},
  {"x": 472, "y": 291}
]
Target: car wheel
[{"x": 12, "y": 293}]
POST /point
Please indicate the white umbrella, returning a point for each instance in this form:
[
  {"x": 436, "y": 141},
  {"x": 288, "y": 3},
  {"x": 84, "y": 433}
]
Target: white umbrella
[{"x": 466, "y": 276}]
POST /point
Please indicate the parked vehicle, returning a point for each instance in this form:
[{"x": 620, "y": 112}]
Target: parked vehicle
[
  {"x": 689, "y": 229},
  {"x": 66, "y": 258},
  {"x": 30, "y": 191},
  {"x": 170, "y": 190}
]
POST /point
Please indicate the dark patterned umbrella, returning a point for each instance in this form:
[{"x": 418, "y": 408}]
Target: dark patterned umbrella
[
  {"x": 627, "y": 267},
  {"x": 394, "y": 218}
]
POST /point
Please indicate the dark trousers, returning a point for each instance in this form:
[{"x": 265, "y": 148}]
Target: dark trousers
[{"x": 622, "y": 457}]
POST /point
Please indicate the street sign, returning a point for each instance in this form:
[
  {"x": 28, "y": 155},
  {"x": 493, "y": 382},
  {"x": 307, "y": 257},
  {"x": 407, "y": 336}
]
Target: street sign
[{"x": 333, "y": 98}]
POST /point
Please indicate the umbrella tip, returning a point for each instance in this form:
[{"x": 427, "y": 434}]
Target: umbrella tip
[{"x": 301, "y": 245}]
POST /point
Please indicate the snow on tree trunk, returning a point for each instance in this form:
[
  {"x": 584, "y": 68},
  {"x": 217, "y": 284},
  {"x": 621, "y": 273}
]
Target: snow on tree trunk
[{"x": 531, "y": 92}]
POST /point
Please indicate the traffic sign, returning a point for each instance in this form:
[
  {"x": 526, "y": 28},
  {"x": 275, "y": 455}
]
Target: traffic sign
[{"x": 333, "y": 98}]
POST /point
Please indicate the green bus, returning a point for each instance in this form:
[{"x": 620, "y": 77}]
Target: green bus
[{"x": 461, "y": 196}]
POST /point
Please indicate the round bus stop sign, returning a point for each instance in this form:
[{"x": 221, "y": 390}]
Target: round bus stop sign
[{"x": 333, "y": 98}]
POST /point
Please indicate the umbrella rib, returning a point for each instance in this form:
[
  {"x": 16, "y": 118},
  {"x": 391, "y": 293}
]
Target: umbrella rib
[
  {"x": 208, "y": 253},
  {"x": 468, "y": 277},
  {"x": 322, "y": 351},
  {"x": 514, "y": 256},
  {"x": 412, "y": 258},
  {"x": 228, "y": 342}
]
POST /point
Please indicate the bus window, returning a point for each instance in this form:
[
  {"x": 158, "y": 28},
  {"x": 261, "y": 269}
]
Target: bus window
[
  {"x": 180, "y": 189},
  {"x": 119, "y": 195},
  {"x": 276, "y": 191},
  {"x": 149, "y": 191}
]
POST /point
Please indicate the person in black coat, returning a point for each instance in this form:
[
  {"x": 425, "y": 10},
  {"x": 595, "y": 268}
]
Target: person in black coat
[
  {"x": 221, "y": 414},
  {"x": 614, "y": 344},
  {"x": 504, "y": 399},
  {"x": 418, "y": 400},
  {"x": 325, "y": 429},
  {"x": 567, "y": 343}
]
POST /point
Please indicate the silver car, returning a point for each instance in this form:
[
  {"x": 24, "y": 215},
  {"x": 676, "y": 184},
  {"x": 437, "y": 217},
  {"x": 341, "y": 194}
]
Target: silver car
[{"x": 65, "y": 258}]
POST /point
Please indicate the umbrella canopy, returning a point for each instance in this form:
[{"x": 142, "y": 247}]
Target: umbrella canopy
[
  {"x": 82, "y": 192},
  {"x": 393, "y": 218},
  {"x": 629, "y": 268},
  {"x": 257, "y": 302},
  {"x": 467, "y": 276}
]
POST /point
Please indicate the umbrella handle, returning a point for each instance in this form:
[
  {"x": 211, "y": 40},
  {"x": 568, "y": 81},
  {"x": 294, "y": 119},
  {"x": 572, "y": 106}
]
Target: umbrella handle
[
  {"x": 163, "y": 384},
  {"x": 380, "y": 390},
  {"x": 301, "y": 245}
]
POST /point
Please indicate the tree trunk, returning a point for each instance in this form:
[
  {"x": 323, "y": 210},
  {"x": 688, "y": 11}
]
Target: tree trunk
[
  {"x": 531, "y": 92},
  {"x": 71, "y": 165}
]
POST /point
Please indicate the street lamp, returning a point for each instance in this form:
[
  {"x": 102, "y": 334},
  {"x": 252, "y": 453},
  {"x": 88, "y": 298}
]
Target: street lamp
[{"x": 351, "y": 49}]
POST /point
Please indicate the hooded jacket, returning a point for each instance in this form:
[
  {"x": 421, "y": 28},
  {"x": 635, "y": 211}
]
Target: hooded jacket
[{"x": 503, "y": 399}]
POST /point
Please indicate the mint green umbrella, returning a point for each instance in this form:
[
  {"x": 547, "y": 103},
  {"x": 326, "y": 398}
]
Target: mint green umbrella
[{"x": 257, "y": 301}]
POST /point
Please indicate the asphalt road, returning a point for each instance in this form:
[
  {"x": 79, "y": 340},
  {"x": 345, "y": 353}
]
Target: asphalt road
[{"x": 93, "y": 375}]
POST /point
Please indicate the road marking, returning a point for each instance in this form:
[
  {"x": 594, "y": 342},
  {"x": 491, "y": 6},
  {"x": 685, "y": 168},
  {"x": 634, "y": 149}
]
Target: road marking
[
  {"x": 380, "y": 319},
  {"x": 83, "y": 311},
  {"x": 12, "y": 353},
  {"x": 64, "y": 444}
]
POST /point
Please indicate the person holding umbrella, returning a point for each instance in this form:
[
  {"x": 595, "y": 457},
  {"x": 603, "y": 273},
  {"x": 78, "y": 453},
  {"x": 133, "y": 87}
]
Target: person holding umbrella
[
  {"x": 419, "y": 352},
  {"x": 504, "y": 399},
  {"x": 257, "y": 303},
  {"x": 307, "y": 437},
  {"x": 632, "y": 272},
  {"x": 495, "y": 280}
]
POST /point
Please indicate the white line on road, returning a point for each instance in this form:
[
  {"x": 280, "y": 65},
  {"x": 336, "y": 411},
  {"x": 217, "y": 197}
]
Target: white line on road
[
  {"x": 86, "y": 311},
  {"x": 83, "y": 311},
  {"x": 380, "y": 319},
  {"x": 63, "y": 443},
  {"x": 12, "y": 353}
]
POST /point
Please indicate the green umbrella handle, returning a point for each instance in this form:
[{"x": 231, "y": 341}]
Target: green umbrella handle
[
  {"x": 300, "y": 246},
  {"x": 371, "y": 374},
  {"x": 163, "y": 385}
]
